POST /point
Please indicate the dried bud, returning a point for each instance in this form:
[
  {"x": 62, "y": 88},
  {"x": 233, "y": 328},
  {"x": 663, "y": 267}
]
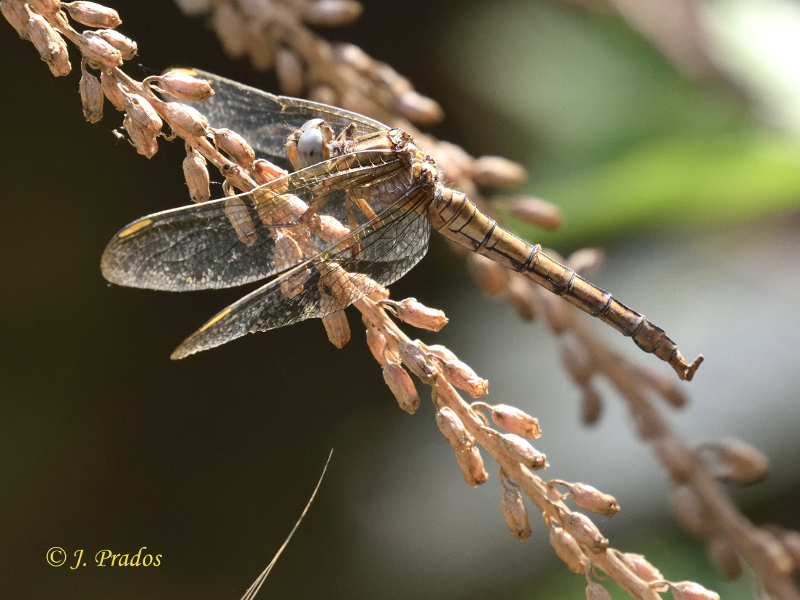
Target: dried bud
[
  {"x": 45, "y": 6},
  {"x": 15, "y": 13},
  {"x": 261, "y": 51},
  {"x": 521, "y": 296},
  {"x": 577, "y": 365},
  {"x": 453, "y": 430},
  {"x": 112, "y": 90},
  {"x": 352, "y": 56},
  {"x": 184, "y": 120},
  {"x": 323, "y": 93},
  {"x": 585, "y": 260},
  {"x": 381, "y": 293},
  {"x": 791, "y": 542},
  {"x": 514, "y": 511},
  {"x": 665, "y": 386},
  {"x": 331, "y": 230},
  {"x": 376, "y": 342},
  {"x": 536, "y": 212},
  {"x": 496, "y": 171},
  {"x": 231, "y": 29},
  {"x": 399, "y": 381},
  {"x": 595, "y": 591},
  {"x": 239, "y": 216},
  {"x": 235, "y": 146},
  {"x": 464, "y": 378},
  {"x": 337, "y": 328},
  {"x": 196, "y": 174},
  {"x": 736, "y": 462},
  {"x": 290, "y": 72},
  {"x": 96, "y": 49},
  {"x": 287, "y": 255},
  {"x": 523, "y": 452},
  {"x": 724, "y": 554},
  {"x": 91, "y": 96},
  {"x": 690, "y": 511},
  {"x": 642, "y": 568},
  {"x": 183, "y": 86},
  {"x": 49, "y": 44},
  {"x": 144, "y": 140},
  {"x": 471, "y": 465},
  {"x": 93, "y": 15},
  {"x": 412, "y": 355},
  {"x": 264, "y": 171},
  {"x": 418, "y": 108},
  {"x": 586, "y": 533},
  {"x": 567, "y": 549},
  {"x": 515, "y": 421},
  {"x": 417, "y": 314},
  {"x": 142, "y": 113},
  {"x": 592, "y": 499},
  {"x": 332, "y": 13},
  {"x": 490, "y": 277},
  {"x": 689, "y": 590},
  {"x": 673, "y": 455}
]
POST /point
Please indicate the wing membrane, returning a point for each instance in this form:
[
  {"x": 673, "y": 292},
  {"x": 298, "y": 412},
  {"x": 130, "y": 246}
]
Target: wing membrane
[
  {"x": 265, "y": 120},
  {"x": 329, "y": 281},
  {"x": 196, "y": 247}
]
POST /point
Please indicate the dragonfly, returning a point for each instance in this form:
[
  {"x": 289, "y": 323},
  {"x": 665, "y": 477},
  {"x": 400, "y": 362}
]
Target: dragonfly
[{"x": 353, "y": 216}]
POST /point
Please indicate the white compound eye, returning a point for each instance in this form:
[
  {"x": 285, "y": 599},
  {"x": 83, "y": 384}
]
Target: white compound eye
[{"x": 309, "y": 145}]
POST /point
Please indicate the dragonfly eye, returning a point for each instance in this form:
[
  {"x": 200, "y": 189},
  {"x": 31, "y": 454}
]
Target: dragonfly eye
[{"x": 309, "y": 146}]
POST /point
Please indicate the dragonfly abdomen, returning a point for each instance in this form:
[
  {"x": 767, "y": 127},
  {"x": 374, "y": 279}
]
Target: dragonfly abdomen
[{"x": 456, "y": 217}]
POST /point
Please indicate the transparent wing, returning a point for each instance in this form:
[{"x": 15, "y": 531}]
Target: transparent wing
[
  {"x": 265, "y": 120},
  {"x": 384, "y": 251},
  {"x": 196, "y": 247}
]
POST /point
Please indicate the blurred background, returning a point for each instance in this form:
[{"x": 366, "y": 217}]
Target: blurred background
[{"x": 678, "y": 154}]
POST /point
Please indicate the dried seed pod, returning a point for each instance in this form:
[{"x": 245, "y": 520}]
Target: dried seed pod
[
  {"x": 452, "y": 429},
  {"x": 441, "y": 352},
  {"x": 412, "y": 355},
  {"x": 112, "y": 90},
  {"x": 521, "y": 296},
  {"x": 724, "y": 554},
  {"x": 399, "y": 382},
  {"x": 235, "y": 146},
  {"x": 184, "y": 120},
  {"x": 91, "y": 96},
  {"x": 92, "y": 14},
  {"x": 514, "y": 511},
  {"x": 126, "y": 46},
  {"x": 567, "y": 549},
  {"x": 737, "y": 462},
  {"x": 642, "y": 568},
  {"x": 471, "y": 465},
  {"x": 264, "y": 171},
  {"x": 15, "y": 13},
  {"x": 490, "y": 277},
  {"x": 496, "y": 171},
  {"x": 591, "y": 499},
  {"x": 689, "y": 590},
  {"x": 332, "y": 13},
  {"x": 337, "y": 328},
  {"x": 591, "y": 406},
  {"x": 417, "y": 314},
  {"x": 376, "y": 342},
  {"x": 595, "y": 591},
  {"x": 523, "y": 452},
  {"x": 289, "y": 70},
  {"x": 464, "y": 378},
  {"x": 690, "y": 511},
  {"x": 239, "y": 217},
  {"x": 515, "y": 421},
  {"x": 535, "y": 211},
  {"x": 196, "y": 175},
  {"x": 49, "y": 44},
  {"x": 98, "y": 50},
  {"x": 586, "y": 533},
  {"x": 143, "y": 139},
  {"x": 183, "y": 86},
  {"x": 418, "y": 108},
  {"x": 231, "y": 29},
  {"x": 140, "y": 111}
]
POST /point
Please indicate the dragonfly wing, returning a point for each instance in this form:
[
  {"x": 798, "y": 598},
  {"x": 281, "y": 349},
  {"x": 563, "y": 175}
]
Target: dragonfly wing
[
  {"x": 265, "y": 120},
  {"x": 196, "y": 247},
  {"x": 330, "y": 281}
]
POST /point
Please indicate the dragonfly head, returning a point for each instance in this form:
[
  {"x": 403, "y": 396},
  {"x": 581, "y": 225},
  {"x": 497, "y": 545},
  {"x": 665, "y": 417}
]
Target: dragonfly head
[{"x": 309, "y": 145}]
